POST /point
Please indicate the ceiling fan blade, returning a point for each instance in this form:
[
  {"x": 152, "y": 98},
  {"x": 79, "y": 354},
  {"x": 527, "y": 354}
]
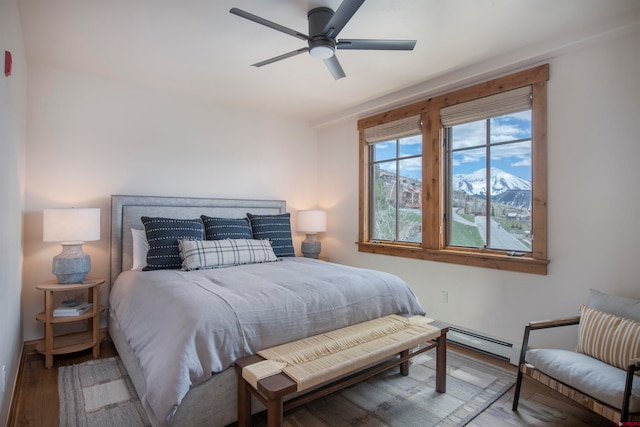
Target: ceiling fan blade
[
  {"x": 375, "y": 44},
  {"x": 345, "y": 12},
  {"x": 281, "y": 57},
  {"x": 334, "y": 67},
  {"x": 251, "y": 17}
]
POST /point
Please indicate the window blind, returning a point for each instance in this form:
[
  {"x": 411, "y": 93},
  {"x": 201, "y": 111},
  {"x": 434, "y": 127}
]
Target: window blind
[
  {"x": 500, "y": 104},
  {"x": 396, "y": 129}
]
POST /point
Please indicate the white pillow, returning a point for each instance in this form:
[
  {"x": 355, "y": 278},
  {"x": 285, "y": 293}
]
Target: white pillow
[{"x": 140, "y": 249}]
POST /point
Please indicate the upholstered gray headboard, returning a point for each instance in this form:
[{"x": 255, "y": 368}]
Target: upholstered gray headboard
[{"x": 127, "y": 210}]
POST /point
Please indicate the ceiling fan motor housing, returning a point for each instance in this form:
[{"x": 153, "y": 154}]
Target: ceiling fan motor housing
[{"x": 320, "y": 46}]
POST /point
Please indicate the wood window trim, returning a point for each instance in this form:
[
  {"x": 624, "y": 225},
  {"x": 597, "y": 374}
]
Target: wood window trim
[{"x": 433, "y": 246}]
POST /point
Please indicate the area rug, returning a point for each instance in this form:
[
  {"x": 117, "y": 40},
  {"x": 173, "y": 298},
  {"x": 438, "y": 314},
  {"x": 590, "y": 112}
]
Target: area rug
[{"x": 99, "y": 393}]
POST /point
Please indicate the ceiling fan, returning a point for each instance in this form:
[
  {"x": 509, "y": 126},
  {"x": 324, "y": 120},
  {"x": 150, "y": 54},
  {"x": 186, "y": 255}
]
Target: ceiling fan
[{"x": 324, "y": 26}]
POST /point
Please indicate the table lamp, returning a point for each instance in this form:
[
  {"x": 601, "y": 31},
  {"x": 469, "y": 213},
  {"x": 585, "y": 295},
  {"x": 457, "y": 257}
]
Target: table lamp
[
  {"x": 71, "y": 227},
  {"x": 311, "y": 222}
]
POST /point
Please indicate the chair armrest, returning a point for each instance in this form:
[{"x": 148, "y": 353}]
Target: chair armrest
[{"x": 544, "y": 324}]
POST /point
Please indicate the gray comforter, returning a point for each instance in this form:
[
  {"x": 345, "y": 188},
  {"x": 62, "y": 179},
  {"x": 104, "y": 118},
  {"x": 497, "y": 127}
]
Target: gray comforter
[{"x": 185, "y": 326}]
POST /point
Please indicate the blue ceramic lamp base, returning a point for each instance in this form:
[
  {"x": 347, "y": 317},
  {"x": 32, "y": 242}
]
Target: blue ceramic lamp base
[
  {"x": 311, "y": 246},
  {"x": 72, "y": 264}
]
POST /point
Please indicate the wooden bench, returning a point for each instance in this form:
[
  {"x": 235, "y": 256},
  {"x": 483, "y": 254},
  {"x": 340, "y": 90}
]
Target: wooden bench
[{"x": 272, "y": 390}]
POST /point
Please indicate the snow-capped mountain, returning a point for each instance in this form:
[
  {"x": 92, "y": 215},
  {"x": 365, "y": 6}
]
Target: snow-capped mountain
[{"x": 506, "y": 188}]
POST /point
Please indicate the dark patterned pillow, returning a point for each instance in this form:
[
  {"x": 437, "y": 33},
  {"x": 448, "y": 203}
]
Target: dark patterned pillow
[
  {"x": 276, "y": 228},
  {"x": 226, "y": 228},
  {"x": 163, "y": 235}
]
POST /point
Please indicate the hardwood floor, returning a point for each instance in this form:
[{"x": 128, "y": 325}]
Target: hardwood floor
[
  {"x": 539, "y": 406},
  {"x": 36, "y": 401}
]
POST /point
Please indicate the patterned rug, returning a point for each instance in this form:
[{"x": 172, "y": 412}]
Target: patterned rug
[{"x": 99, "y": 393}]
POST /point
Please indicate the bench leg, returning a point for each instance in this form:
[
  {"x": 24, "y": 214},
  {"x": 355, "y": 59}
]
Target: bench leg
[
  {"x": 275, "y": 412},
  {"x": 244, "y": 403},
  {"x": 404, "y": 366},
  {"x": 441, "y": 363}
]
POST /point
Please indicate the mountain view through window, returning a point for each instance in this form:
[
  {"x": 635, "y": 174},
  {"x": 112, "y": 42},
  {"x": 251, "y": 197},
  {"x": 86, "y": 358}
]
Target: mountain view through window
[
  {"x": 460, "y": 177},
  {"x": 488, "y": 191},
  {"x": 489, "y": 176}
]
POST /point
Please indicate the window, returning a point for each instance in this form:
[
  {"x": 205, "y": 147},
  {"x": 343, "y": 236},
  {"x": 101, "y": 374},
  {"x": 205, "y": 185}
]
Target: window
[
  {"x": 460, "y": 177},
  {"x": 488, "y": 164},
  {"x": 396, "y": 180}
]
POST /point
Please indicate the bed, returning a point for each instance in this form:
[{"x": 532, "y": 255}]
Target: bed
[{"x": 179, "y": 332}]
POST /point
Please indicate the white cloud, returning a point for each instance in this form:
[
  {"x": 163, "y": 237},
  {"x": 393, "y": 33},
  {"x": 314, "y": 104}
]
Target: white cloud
[{"x": 522, "y": 162}]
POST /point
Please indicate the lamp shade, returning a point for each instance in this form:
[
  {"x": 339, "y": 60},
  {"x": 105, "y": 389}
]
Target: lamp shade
[
  {"x": 312, "y": 221},
  {"x": 71, "y": 225}
]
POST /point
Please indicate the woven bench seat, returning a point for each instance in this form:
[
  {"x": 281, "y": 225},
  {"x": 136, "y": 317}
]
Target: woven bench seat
[{"x": 328, "y": 362}]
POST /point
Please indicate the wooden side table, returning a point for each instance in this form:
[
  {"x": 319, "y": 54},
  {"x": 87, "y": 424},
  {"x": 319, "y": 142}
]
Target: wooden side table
[{"x": 76, "y": 341}]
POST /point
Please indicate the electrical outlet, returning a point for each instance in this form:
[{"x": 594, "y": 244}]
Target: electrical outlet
[
  {"x": 444, "y": 297},
  {"x": 4, "y": 378}
]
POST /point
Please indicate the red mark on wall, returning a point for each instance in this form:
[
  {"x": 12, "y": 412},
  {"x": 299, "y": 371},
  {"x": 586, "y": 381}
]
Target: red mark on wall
[{"x": 7, "y": 63}]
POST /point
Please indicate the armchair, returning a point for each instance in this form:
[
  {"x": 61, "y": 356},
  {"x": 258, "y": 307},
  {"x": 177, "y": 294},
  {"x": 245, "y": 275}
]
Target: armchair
[{"x": 600, "y": 373}]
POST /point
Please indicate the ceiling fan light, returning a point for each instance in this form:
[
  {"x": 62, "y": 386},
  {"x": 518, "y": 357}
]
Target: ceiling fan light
[{"x": 321, "y": 52}]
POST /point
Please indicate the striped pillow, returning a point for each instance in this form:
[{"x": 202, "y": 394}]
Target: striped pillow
[
  {"x": 609, "y": 338},
  {"x": 226, "y": 228},
  {"x": 202, "y": 254},
  {"x": 163, "y": 235},
  {"x": 276, "y": 228}
]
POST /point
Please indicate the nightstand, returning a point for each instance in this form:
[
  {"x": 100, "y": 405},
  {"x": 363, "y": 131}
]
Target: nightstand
[{"x": 77, "y": 341}]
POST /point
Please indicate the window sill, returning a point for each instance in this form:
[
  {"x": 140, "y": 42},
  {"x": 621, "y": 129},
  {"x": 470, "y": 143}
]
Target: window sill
[{"x": 522, "y": 264}]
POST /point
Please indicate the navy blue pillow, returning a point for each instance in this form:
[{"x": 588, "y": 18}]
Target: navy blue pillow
[
  {"x": 163, "y": 235},
  {"x": 226, "y": 228},
  {"x": 276, "y": 228}
]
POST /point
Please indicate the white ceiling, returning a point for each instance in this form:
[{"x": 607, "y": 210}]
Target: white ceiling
[{"x": 197, "y": 47}]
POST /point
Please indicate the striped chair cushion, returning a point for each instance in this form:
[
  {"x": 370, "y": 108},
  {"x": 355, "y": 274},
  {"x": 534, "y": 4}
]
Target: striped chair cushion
[
  {"x": 609, "y": 338},
  {"x": 202, "y": 254}
]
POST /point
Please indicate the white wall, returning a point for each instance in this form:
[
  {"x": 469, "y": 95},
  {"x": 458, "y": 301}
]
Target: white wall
[
  {"x": 90, "y": 138},
  {"x": 12, "y": 163},
  {"x": 593, "y": 205}
]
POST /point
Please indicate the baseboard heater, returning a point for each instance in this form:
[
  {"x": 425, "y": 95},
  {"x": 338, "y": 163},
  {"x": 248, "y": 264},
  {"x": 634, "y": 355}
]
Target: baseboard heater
[{"x": 479, "y": 342}]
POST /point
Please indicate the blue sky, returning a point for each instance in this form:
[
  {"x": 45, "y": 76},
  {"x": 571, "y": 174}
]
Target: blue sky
[
  {"x": 409, "y": 146},
  {"x": 512, "y": 158}
]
